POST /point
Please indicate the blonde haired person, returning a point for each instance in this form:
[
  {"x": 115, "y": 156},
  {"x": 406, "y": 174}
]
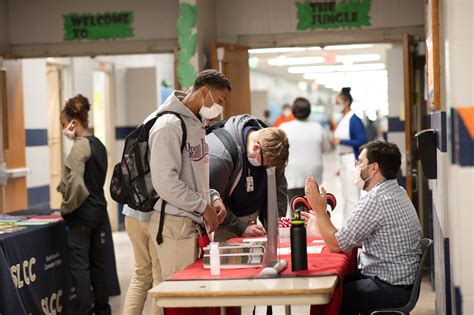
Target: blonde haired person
[{"x": 243, "y": 185}]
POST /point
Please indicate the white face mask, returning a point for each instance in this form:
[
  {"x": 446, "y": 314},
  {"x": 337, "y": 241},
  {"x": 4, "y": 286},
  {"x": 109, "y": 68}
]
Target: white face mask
[
  {"x": 359, "y": 181},
  {"x": 69, "y": 131},
  {"x": 254, "y": 160},
  {"x": 339, "y": 108},
  {"x": 337, "y": 116},
  {"x": 210, "y": 112}
]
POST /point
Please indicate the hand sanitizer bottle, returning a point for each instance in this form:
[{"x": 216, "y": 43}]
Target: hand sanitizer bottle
[{"x": 215, "y": 259}]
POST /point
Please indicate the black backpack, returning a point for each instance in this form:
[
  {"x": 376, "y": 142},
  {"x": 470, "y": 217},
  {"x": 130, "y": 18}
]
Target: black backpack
[{"x": 131, "y": 180}]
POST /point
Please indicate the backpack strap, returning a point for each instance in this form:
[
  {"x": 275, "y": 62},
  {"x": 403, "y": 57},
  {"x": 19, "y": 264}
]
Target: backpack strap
[
  {"x": 214, "y": 125},
  {"x": 183, "y": 126},
  {"x": 159, "y": 236},
  {"x": 226, "y": 138}
]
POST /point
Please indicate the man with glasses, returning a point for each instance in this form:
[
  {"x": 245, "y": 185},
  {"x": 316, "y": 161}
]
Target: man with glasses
[
  {"x": 385, "y": 223},
  {"x": 237, "y": 170}
]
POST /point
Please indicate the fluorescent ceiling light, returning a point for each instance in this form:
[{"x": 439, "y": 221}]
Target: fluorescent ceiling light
[
  {"x": 284, "y": 61},
  {"x": 276, "y": 50},
  {"x": 338, "y": 68},
  {"x": 322, "y": 77},
  {"x": 357, "y": 58},
  {"x": 357, "y": 75},
  {"x": 343, "y": 47},
  {"x": 282, "y": 50}
]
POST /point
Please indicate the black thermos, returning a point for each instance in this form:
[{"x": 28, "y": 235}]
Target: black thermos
[{"x": 299, "y": 254}]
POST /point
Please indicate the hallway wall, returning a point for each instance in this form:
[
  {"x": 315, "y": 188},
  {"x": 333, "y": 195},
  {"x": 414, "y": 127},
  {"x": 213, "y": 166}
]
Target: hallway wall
[
  {"x": 264, "y": 17},
  {"x": 4, "y": 36},
  {"x": 37, "y": 28},
  {"x": 35, "y": 102},
  {"x": 453, "y": 198},
  {"x": 396, "y": 121},
  {"x": 130, "y": 109}
]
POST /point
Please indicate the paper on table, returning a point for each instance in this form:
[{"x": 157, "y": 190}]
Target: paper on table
[
  {"x": 310, "y": 250},
  {"x": 251, "y": 240},
  {"x": 284, "y": 251},
  {"x": 315, "y": 249},
  {"x": 318, "y": 241}
]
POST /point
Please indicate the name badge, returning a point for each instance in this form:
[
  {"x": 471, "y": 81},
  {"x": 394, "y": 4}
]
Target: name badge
[{"x": 249, "y": 183}]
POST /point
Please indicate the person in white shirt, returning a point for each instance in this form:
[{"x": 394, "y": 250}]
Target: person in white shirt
[
  {"x": 308, "y": 140},
  {"x": 349, "y": 136}
]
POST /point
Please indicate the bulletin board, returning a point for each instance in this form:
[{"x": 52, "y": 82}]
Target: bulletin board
[{"x": 432, "y": 84}]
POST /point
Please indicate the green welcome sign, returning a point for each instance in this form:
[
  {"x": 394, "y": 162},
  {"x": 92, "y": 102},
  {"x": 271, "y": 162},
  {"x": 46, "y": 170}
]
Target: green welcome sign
[
  {"x": 330, "y": 15},
  {"x": 87, "y": 26}
]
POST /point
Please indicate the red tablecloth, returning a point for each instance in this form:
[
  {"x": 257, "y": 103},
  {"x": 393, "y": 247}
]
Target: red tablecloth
[{"x": 325, "y": 263}]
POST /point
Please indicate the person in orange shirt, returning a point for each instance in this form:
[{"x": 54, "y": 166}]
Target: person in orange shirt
[{"x": 286, "y": 115}]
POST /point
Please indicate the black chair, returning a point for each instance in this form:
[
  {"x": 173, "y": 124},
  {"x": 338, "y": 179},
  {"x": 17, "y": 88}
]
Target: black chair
[{"x": 426, "y": 244}]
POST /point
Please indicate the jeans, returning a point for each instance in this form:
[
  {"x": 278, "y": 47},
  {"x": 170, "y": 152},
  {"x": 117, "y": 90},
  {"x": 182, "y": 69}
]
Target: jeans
[
  {"x": 363, "y": 294},
  {"x": 87, "y": 266}
]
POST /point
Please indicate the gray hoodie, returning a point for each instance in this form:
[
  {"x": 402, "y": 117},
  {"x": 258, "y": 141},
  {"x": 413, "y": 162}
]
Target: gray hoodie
[
  {"x": 223, "y": 171},
  {"x": 180, "y": 178}
]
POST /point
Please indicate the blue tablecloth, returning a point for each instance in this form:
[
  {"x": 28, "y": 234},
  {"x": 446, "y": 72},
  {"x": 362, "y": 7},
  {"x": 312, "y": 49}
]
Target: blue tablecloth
[{"x": 34, "y": 272}]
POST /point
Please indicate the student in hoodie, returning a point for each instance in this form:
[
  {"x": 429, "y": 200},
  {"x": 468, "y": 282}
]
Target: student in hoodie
[
  {"x": 181, "y": 178},
  {"x": 84, "y": 208},
  {"x": 243, "y": 186}
]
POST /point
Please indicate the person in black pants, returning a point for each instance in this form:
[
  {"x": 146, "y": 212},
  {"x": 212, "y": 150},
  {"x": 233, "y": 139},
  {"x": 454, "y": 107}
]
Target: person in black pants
[
  {"x": 84, "y": 208},
  {"x": 385, "y": 223}
]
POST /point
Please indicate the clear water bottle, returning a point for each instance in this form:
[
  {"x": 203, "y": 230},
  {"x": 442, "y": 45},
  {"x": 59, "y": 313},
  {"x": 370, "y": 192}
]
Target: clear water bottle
[{"x": 215, "y": 259}]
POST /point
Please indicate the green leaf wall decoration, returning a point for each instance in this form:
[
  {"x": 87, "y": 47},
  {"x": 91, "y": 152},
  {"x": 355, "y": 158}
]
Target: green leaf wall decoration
[{"x": 187, "y": 43}]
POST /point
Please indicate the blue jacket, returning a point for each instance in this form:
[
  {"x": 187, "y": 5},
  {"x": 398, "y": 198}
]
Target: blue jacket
[{"x": 357, "y": 134}]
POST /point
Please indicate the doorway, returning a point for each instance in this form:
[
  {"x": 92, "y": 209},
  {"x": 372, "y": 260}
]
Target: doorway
[
  {"x": 53, "y": 77},
  {"x": 103, "y": 113},
  {"x": 59, "y": 87}
]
